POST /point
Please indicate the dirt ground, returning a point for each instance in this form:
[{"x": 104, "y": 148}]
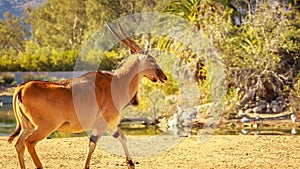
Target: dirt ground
[{"x": 188, "y": 153}]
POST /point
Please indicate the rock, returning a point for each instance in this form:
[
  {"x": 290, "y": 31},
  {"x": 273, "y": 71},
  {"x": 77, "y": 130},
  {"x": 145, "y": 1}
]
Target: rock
[
  {"x": 294, "y": 131},
  {"x": 255, "y": 125},
  {"x": 241, "y": 113},
  {"x": 279, "y": 98},
  {"x": 263, "y": 106},
  {"x": 181, "y": 119},
  {"x": 248, "y": 111},
  {"x": 246, "y": 106},
  {"x": 172, "y": 122},
  {"x": 293, "y": 118},
  {"x": 268, "y": 106},
  {"x": 256, "y": 104},
  {"x": 245, "y": 120},
  {"x": 256, "y": 117},
  {"x": 245, "y": 131},
  {"x": 262, "y": 102},
  {"x": 186, "y": 124},
  {"x": 274, "y": 102},
  {"x": 248, "y": 96},
  {"x": 275, "y": 109},
  {"x": 258, "y": 109}
]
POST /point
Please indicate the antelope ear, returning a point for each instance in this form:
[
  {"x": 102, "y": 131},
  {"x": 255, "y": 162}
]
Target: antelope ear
[
  {"x": 147, "y": 46},
  {"x": 147, "y": 52}
]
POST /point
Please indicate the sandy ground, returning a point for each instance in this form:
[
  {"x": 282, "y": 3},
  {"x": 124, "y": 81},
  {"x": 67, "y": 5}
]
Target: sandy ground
[{"x": 217, "y": 152}]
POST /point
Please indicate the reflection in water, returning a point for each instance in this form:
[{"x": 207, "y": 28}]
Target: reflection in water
[
  {"x": 7, "y": 120},
  {"x": 8, "y": 123}
]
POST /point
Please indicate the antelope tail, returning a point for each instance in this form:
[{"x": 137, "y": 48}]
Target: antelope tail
[{"x": 16, "y": 108}]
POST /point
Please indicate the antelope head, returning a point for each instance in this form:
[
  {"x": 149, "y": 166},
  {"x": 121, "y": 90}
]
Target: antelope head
[{"x": 149, "y": 68}]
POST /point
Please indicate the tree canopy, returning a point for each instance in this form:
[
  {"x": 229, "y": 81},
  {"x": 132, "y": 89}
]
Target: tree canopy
[
  {"x": 258, "y": 41},
  {"x": 58, "y": 29}
]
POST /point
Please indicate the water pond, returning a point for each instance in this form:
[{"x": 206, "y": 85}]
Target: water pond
[{"x": 8, "y": 123}]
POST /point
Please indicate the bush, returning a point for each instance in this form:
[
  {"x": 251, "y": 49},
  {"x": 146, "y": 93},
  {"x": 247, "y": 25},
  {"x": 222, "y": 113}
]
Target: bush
[
  {"x": 261, "y": 55},
  {"x": 7, "y": 78},
  {"x": 9, "y": 62},
  {"x": 30, "y": 76},
  {"x": 61, "y": 60}
]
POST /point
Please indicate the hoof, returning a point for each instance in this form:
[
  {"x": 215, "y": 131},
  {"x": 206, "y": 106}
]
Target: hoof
[
  {"x": 131, "y": 167},
  {"x": 130, "y": 164}
]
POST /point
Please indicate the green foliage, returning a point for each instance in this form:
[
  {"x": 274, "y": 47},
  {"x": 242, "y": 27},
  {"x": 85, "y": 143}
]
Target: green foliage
[
  {"x": 256, "y": 44},
  {"x": 58, "y": 31},
  {"x": 9, "y": 63},
  {"x": 12, "y": 35},
  {"x": 37, "y": 60},
  {"x": 59, "y": 24},
  {"x": 63, "y": 60},
  {"x": 188, "y": 9},
  {"x": 262, "y": 54},
  {"x": 297, "y": 85},
  {"x": 67, "y": 24},
  {"x": 101, "y": 60},
  {"x": 154, "y": 100},
  {"x": 152, "y": 95},
  {"x": 46, "y": 59},
  {"x": 12, "y": 41},
  {"x": 264, "y": 49},
  {"x": 232, "y": 98}
]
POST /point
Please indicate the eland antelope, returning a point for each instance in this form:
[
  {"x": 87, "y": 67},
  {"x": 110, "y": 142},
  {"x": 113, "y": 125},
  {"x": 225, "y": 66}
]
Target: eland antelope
[{"x": 93, "y": 101}]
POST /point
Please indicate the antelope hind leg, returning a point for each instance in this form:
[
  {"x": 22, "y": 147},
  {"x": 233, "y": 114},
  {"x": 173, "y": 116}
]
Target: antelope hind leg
[
  {"x": 20, "y": 146},
  {"x": 37, "y": 135}
]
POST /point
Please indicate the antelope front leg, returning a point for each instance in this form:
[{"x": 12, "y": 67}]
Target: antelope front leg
[
  {"x": 118, "y": 134},
  {"x": 94, "y": 138},
  {"x": 91, "y": 148}
]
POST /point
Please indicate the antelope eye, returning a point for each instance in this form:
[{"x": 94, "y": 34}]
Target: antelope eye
[{"x": 152, "y": 61}]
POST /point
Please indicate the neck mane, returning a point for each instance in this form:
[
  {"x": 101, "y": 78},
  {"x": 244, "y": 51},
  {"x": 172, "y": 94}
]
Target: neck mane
[{"x": 128, "y": 67}]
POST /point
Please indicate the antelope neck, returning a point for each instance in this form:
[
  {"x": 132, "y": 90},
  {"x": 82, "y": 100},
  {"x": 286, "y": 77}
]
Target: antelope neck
[{"x": 126, "y": 83}]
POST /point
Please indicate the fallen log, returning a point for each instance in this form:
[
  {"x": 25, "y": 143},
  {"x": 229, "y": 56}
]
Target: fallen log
[
  {"x": 284, "y": 114},
  {"x": 143, "y": 120}
]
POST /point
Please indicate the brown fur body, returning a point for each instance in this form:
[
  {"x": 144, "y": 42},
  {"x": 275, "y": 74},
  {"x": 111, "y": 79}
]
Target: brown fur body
[{"x": 93, "y": 101}]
